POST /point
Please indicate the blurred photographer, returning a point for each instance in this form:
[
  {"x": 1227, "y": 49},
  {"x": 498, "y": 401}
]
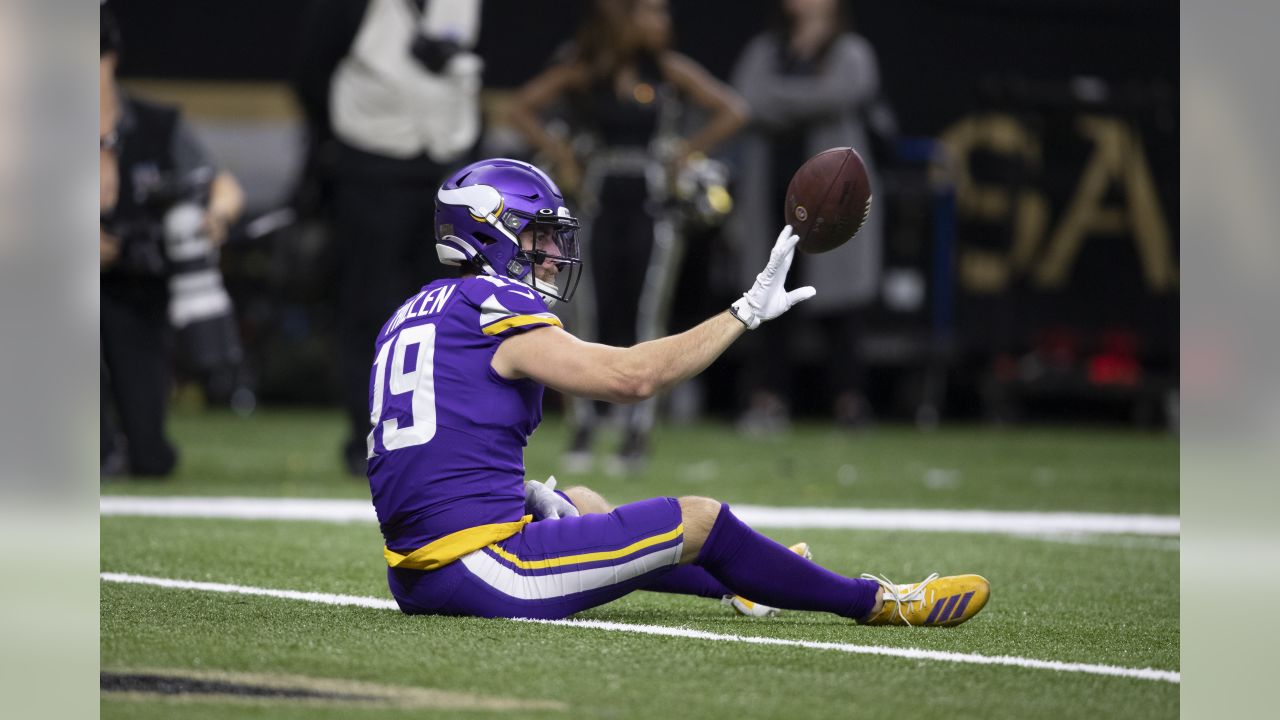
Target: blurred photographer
[
  {"x": 391, "y": 92},
  {"x": 164, "y": 211}
]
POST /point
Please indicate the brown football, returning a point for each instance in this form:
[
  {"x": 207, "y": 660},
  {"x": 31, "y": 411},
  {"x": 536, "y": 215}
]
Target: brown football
[{"x": 828, "y": 199}]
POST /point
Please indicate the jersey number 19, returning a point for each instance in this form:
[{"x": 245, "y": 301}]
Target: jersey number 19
[{"x": 418, "y": 380}]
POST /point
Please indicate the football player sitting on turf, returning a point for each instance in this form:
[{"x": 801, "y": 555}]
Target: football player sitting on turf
[{"x": 456, "y": 390}]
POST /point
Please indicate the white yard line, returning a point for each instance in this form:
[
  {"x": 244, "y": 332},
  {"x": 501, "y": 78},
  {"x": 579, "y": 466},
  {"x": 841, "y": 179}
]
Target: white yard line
[
  {"x": 911, "y": 653},
  {"x": 241, "y": 508},
  {"x": 1155, "y": 543},
  {"x": 315, "y": 597},
  {"x": 965, "y": 521},
  {"x": 1170, "y": 676},
  {"x": 962, "y": 521}
]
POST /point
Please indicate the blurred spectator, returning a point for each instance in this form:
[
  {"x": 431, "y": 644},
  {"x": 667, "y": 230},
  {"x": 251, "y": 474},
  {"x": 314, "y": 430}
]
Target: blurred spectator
[
  {"x": 808, "y": 83},
  {"x": 391, "y": 95},
  {"x": 164, "y": 210},
  {"x": 625, "y": 91}
]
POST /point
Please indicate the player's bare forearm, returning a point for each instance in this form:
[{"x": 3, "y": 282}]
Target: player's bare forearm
[
  {"x": 666, "y": 362},
  {"x": 562, "y": 362}
]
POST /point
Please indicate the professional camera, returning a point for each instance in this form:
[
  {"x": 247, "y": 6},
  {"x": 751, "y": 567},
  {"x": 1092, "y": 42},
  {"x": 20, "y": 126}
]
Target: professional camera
[
  {"x": 177, "y": 247},
  {"x": 433, "y": 53}
]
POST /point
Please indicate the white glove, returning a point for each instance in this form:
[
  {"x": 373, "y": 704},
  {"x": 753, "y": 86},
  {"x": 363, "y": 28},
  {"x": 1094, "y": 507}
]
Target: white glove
[
  {"x": 767, "y": 299},
  {"x": 541, "y": 501}
]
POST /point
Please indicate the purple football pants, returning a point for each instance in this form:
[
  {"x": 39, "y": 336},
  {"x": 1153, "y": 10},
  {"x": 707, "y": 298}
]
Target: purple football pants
[{"x": 553, "y": 569}]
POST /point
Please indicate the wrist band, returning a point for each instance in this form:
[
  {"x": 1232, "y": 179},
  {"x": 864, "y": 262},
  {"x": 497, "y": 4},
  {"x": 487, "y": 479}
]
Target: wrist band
[{"x": 733, "y": 310}]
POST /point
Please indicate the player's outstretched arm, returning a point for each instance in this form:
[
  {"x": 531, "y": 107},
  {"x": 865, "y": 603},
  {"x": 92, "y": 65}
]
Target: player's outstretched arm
[{"x": 561, "y": 361}]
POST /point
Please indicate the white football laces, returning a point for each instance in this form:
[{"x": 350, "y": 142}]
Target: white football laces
[{"x": 903, "y": 594}]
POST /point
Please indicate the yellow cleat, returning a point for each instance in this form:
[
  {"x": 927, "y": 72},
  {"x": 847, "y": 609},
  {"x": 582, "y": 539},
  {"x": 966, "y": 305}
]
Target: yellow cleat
[
  {"x": 935, "y": 602},
  {"x": 744, "y": 606}
]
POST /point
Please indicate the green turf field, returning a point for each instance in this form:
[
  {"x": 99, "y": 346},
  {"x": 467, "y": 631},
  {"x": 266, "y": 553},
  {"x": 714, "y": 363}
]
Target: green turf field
[{"x": 1109, "y": 600}]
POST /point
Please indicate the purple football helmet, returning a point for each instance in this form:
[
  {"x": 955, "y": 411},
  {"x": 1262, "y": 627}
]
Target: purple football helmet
[{"x": 481, "y": 212}]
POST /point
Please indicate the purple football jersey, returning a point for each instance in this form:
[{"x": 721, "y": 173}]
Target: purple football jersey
[{"x": 446, "y": 451}]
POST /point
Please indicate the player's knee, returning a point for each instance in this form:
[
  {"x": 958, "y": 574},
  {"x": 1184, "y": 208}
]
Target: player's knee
[
  {"x": 587, "y": 501},
  {"x": 695, "y": 508},
  {"x": 698, "y": 515}
]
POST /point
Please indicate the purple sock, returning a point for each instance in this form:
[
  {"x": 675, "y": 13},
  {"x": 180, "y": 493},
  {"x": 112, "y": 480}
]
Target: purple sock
[
  {"x": 769, "y": 573},
  {"x": 689, "y": 580}
]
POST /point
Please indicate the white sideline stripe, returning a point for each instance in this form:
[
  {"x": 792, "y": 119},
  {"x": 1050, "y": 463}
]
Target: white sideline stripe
[
  {"x": 315, "y": 597},
  {"x": 970, "y": 521},
  {"x": 964, "y": 521},
  {"x": 1170, "y": 676},
  {"x": 910, "y": 653}
]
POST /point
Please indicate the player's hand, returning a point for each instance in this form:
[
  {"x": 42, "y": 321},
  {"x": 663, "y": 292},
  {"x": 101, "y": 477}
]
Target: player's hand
[
  {"x": 767, "y": 298},
  {"x": 541, "y": 501}
]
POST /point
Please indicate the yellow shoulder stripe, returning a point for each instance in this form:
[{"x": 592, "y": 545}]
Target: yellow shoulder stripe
[
  {"x": 521, "y": 320},
  {"x": 442, "y": 551},
  {"x": 589, "y": 557}
]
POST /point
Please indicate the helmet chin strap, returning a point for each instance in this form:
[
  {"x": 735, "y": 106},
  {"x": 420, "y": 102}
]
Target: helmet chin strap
[{"x": 545, "y": 289}]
